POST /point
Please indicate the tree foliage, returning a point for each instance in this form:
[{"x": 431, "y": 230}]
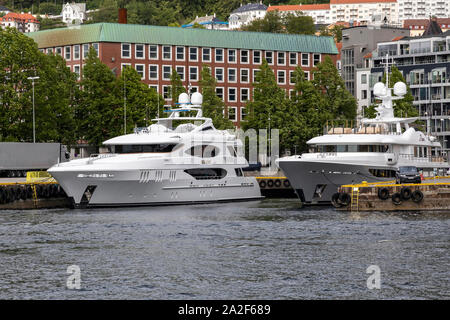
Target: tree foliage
[
  {"x": 274, "y": 22},
  {"x": 54, "y": 92},
  {"x": 213, "y": 107}
]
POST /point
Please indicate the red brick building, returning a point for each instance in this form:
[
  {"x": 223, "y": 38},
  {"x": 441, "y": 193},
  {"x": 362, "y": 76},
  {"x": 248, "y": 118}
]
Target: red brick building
[{"x": 234, "y": 57}]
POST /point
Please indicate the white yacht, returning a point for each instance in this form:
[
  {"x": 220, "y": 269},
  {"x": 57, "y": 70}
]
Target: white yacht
[
  {"x": 369, "y": 152},
  {"x": 177, "y": 160}
]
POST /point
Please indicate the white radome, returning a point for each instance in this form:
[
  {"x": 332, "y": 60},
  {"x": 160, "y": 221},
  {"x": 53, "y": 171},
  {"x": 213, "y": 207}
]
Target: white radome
[
  {"x": 379, "y": 89},
  {"x": 400, "y": 89}
]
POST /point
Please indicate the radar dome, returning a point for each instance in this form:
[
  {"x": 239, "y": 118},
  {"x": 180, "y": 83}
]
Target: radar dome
[
  {"x": 379, "y": 89},
  {"x": 183, "y": 98},
  {"x": 400, "y": 89},
  {"x": 197, "y": 98}
]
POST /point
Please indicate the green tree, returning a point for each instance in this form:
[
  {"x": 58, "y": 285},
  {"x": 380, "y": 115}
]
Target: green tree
[
  {"x": 299, "y": 24},
  {"x": 213, "y": 107},
  {"x": 176, "y": 86},
  {"x": 270, "y": 102},
  {"x": 54, "y": 92},
  {"x": 339, "y": 102},
  {"x": 272, "y": 22},
  {"x": 141, "y": 102},
  {"x": 98, "y": 114}
]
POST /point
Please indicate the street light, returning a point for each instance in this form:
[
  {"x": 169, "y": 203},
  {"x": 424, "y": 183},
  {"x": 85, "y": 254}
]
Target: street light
[{"x": 34, "y": 118}]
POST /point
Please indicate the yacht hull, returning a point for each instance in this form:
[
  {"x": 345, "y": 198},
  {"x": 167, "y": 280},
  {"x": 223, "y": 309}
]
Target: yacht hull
[
  {"x": 128, "y": 189},
  {"x": 308, "y": 178}
]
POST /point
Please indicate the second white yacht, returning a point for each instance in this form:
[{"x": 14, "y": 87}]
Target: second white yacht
[
  {"x": 191, "y": 163},
  {"x": 370, "y": 152}
]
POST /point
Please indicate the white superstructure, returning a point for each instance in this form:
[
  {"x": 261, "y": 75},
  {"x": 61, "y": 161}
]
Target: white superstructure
[
  {"x": 371, "y": 151},
  {"x": 179, "y": 159}
]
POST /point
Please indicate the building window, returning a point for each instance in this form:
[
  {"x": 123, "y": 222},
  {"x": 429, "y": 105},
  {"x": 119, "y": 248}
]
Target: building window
[
  {"x": 281, "y": 59},
  {"x": 256, "y": 57},
  {"x": 58, "y": 51},
  {"x": 193, "y": 54},
  {"x": 231, "y": 94},
  {"x": 244, "y": 56},
  {"x": 219, "y": 92},
  {"x": 67, "y": 53},
  {"x": 219, "y": 55},
  {"x": 76, "y": 70},
  {"x": 219, "y": 74},
  {"x": 316, "y": 58},
  {"x": 76, "y": 52},
  {"x": 166, "y": 92},
  {"x": 126, "y": 50},
  {"x": 154, "y": 87},
  {"x": 232, "y": 75},
  {"x": 193, "y": 73},
  {"x": 153, "y": 72},
  {"x": 167, "y": 52},
  {"x": 232, "y": 113},
  {"x": 305, "y": 59},
  {"x": 231, "y": 55},
  {"x": 139, "y": 51},
  {"x": 206, "y": 56},
  {"x": 293, "y": 58},
  {"x": 180, "y": 53},
  {"x": 95, "y": 45},
  {"x": 243, "y": 114},
  {"x": 291, "y": 77},
  {"x": 167, "y": 72},
  {"x": 153, "y": 52},
  {"x": 269, "y": 57},
  {"x": 364, "y": 79},
  {"x": 180, "y": 71},
  {"x": 306, "y": 73},
  {"x": 85, "y": 50},
  {"x": 364, "y": 94},
  {"x": 245, "y": 75},
  {"x": 281, "y": 77},
  {"x": 255, "y": 72},
  {"x": 140, "y": 68},
  {"x": 125, "y": 65},
  {"x": 244, "y": 94}
]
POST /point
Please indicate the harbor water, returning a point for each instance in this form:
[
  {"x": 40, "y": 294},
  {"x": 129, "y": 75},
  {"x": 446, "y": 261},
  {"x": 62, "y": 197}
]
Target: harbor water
[{"x": 270, "y": 249}]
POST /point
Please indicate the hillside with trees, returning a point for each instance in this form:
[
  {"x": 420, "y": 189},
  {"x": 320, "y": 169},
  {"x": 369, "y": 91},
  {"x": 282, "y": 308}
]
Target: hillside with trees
[{"x": 154, "y": 12}]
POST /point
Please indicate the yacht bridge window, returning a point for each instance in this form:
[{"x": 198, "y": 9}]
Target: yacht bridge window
[
  {"x": 207, "y": 173},
  {"x": 203, "y": 151},
  {"x": 142, "y": 148},
  {"x": 349, "y": 148}
]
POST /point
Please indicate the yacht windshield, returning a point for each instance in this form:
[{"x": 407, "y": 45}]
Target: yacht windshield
[
  {"x": 407, "y": 169},
  {"x": 142, "y": 148}
]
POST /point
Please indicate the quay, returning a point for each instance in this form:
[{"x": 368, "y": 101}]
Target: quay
[{"x": 431, "y": 194}]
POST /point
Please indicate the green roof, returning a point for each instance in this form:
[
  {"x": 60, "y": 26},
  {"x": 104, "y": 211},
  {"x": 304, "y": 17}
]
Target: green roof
[{"x": 133, "y": 33}]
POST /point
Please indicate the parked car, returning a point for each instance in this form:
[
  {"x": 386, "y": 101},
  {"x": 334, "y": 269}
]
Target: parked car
[{"x": 407, "y": 175}]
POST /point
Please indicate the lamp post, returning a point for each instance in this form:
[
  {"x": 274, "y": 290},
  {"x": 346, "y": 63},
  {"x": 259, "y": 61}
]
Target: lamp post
[{"x": 34, "y": 117}]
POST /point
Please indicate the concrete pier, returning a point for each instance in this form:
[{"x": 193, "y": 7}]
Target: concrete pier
[{"x": 431, "y": 194}]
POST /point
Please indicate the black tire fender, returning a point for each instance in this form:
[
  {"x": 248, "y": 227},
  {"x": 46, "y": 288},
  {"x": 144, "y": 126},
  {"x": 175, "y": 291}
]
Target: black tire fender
[
  {"x": 406, "y": 193},
  {"x": 344, "y": 199},
  {"x": 270, "y": 183},
  {"x": 417, "y": 196},
  {"x": 277, "y": 183},
  {"x": 383, "y": 193},
  {"x": 286, "y": 183},
  {"x": 262, "y": 184},
  {"x": 335, "y": 200},
  {"x": 397, "y": 198}
]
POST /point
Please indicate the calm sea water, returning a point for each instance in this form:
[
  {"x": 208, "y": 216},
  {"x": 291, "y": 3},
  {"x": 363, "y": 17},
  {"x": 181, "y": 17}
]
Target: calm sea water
[{"x": 258, "y": 250}]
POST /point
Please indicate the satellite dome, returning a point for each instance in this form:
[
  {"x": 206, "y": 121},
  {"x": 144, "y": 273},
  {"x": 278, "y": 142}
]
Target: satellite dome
[
  {"x": 183, "y": 98},
  {"x": 197, "y": 98},
  {"x": 400, "y": 89},
  {"x": 379, "y": 89}
]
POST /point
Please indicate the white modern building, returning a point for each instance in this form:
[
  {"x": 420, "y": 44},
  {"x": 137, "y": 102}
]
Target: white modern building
[
  {"x": 320, "y": 13},
  {"x": 246, "y": 14},
  {"x": 361, "y": 11},
  {"x": 423, "y": 9},
  {"x": 73, "y": 12}
]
